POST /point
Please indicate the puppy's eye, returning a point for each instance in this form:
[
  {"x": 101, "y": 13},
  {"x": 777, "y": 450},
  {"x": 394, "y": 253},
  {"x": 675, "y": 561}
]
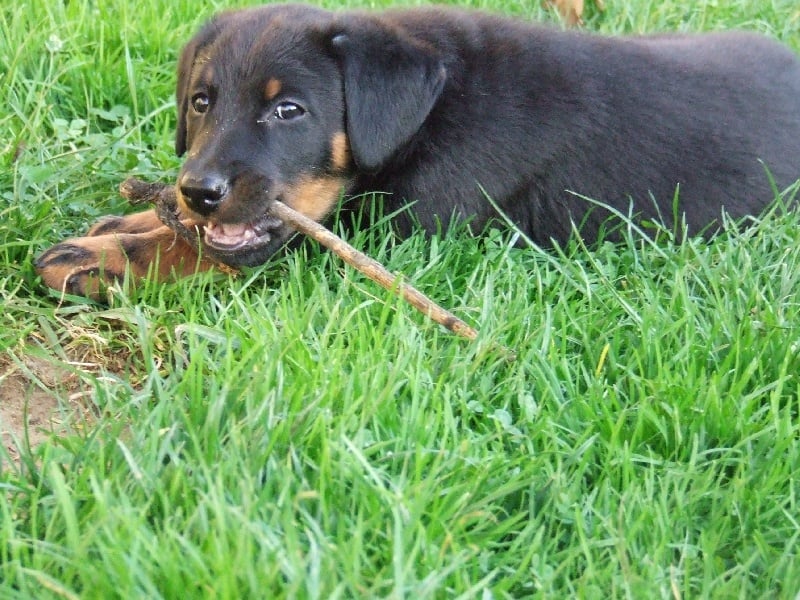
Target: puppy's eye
[
  {"x": 286, "y": 111},
  {"x": 200, "y": 103}
]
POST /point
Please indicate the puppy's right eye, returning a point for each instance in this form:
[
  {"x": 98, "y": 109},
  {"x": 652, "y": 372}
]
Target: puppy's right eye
[{"x": 200, "y": 103}]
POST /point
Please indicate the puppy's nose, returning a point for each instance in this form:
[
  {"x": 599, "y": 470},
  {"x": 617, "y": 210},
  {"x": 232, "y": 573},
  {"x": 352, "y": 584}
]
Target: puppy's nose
[{"x": 203, "y": 194}]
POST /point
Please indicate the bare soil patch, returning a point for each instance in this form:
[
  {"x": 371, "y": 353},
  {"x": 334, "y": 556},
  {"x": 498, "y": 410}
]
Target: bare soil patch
[{"x": 39, "y": 398}]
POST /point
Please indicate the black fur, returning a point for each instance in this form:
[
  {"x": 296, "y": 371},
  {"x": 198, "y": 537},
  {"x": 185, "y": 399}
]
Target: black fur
[{"x": 442, "y": 107}]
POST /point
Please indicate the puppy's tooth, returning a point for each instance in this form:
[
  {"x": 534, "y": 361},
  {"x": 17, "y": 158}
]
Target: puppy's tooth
[{"x": 233, "y": 230}]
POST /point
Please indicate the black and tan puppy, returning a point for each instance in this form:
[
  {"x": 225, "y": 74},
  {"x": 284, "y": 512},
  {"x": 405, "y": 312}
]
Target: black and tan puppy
[{"x": 439, "y": 108}]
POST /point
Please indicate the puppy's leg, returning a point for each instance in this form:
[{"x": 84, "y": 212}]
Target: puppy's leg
[
  {"x": 141, "y": 222},
  {"x": 81, "y": 266}
]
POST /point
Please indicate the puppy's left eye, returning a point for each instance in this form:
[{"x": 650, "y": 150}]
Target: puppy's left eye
[{"x": 286, "y": 111}]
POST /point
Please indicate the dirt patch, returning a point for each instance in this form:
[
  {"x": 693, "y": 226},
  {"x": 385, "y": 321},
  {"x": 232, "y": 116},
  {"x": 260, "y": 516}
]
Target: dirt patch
[{"x": 38, "y": 398}]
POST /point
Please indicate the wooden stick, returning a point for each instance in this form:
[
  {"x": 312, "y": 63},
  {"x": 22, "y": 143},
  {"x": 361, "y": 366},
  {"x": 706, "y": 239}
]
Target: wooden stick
[
  {"x": 164, "y": 197},
  {"x": 372, "y": 269}
]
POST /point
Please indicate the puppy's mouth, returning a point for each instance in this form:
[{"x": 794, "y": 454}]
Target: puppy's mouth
[{"x": 236, "y": 237}]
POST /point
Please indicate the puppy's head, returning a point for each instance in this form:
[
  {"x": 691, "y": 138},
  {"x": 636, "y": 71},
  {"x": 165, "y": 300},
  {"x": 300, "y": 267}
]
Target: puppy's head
[{"x": 289, "y": 103}]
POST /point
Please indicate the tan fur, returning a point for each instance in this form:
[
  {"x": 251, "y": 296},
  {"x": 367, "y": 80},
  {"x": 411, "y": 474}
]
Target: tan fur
[
  {"x": 272, "y": 89},
  {"x": 315, "y": 197},
  {"x": 340, "y": 152}
]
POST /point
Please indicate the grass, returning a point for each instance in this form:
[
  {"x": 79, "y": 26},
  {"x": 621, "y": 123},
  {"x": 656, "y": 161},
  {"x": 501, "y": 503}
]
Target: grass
[{"x": 299, "y": 432}]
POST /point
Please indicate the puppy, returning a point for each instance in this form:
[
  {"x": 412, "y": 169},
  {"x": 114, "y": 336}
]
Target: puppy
[{"x": 442, "y": 109}]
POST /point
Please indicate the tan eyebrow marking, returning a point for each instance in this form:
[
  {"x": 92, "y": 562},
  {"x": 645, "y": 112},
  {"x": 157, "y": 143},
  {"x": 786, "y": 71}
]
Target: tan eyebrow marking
[{"x": 272, "y": 89}]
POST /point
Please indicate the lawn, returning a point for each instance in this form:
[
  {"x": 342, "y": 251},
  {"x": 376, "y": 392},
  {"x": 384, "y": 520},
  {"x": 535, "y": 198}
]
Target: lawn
[{"x": 296, "y": 431}]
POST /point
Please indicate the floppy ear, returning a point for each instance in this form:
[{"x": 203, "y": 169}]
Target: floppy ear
[
  {"x": 391, "y": 83},
  {"x": 188, "y": 55}
]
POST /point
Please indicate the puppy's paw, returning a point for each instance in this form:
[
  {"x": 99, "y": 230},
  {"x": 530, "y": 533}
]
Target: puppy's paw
[
  {"x": 77, "y": 268},
  {"x": 139, "y": 244}
]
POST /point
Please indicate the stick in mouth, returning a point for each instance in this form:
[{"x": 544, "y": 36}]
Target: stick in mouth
[{"x": 165, "y": 200}]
